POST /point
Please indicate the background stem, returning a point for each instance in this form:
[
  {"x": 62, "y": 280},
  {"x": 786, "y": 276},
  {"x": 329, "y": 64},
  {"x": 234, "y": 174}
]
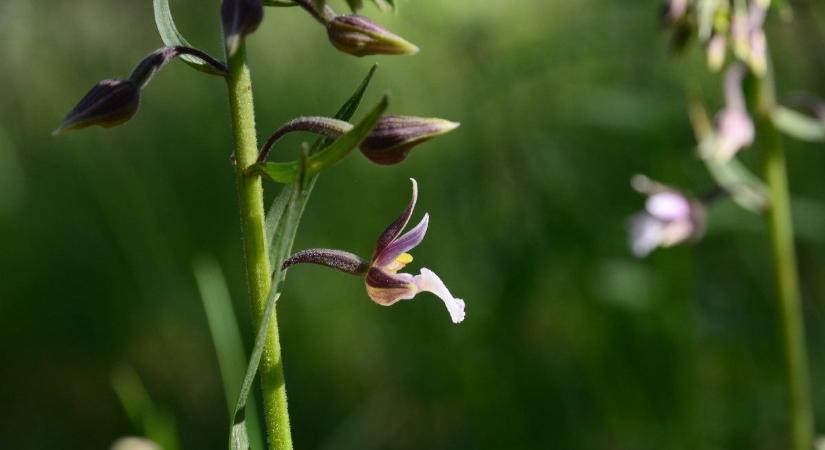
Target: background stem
[
  {"x": 782, "y": 242},
  {"x": 258, "y": 270}
]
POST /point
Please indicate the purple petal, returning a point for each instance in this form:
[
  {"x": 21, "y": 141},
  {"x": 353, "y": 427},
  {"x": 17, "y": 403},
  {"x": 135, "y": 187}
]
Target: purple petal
[
  {"x": 398, "y": 225},
  {"x": 668, "y": 205},
  {"x": 336, "y": 259},
  {"x": 405, "y": 243}
]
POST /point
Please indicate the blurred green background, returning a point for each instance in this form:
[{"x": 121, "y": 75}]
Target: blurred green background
[{"x": 569, "y": 342}]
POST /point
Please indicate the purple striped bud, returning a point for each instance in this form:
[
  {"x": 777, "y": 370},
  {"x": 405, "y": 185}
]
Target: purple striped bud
[
  {"x": 394, "y": 136},
  {"x": 359, "y": 36},
  {"x": 388, "y": 143},
  {"x": 240, "y": 18},
  {"x": 109, "y": 103}
]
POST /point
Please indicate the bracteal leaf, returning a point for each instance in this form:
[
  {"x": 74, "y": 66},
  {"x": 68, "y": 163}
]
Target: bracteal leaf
[
  {"x": 745, "y": 188},
  {"x": 172, "y": 37},
  {"x": 330, "y": 155},
  {"x": 798, "y": 125}
]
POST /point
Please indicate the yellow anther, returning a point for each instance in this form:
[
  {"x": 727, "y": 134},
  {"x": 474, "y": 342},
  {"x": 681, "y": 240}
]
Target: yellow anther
[{"x": 404, "y": 258}]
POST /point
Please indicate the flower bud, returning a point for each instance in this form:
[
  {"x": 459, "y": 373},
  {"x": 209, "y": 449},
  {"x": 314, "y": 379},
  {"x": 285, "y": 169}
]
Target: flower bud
[
  {"x": 109, "y": 103},
  {"x": 240, "y": 18},
  {"x": 394, "y": 136},
  {"x": 359, "y": 36}
]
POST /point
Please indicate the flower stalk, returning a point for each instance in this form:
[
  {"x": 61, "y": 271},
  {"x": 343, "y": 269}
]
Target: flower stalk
[
  {"x": 787, "y": 279},
  {"x": 258, "y": 270}
]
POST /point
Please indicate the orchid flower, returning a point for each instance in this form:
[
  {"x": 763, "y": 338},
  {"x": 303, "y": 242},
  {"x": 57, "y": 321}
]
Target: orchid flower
[
  {"x": 734, "y": 127},
  {"x": 385, "y": 285},
  {"x": 669, "y": 218}
]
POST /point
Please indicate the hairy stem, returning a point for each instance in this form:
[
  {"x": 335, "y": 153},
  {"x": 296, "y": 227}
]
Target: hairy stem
[
  {"x": 782, "y": 242},
  {"x": 258, "y": 270}
]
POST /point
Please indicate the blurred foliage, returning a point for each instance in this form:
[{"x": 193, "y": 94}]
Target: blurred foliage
[{"x": 569, "y": 343}]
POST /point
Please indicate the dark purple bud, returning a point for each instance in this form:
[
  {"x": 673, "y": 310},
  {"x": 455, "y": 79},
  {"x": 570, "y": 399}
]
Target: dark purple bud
[
  {"x": 240, "y": 18},
  {"x": 109, "y": 103},
  {"x": 336, "y": 259},
  {"x": 112, "y": 102},
  {"x": 394, "y": 136},
  {"x": 359, "y": 36}
]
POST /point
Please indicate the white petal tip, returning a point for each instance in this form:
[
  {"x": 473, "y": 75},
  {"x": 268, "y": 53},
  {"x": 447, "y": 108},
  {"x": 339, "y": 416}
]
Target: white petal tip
[
  {"x": 429, "y": 281},
  {"x": 457, "y": 313}
]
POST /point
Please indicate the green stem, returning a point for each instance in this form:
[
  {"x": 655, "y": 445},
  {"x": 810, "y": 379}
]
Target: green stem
[
  {"x": 782, "y": 242},
  {"x": 258, "y": 270}
]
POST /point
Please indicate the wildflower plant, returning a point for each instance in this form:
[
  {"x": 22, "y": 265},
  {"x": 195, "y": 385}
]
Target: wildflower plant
[
  {"x": 731, "y": 34},
  {"x": 268, "y": 236}
]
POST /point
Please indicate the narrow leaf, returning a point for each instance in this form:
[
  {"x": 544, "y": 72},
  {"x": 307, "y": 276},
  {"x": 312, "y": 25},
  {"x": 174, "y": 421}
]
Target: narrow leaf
[
  {"x": 745, "y": 188},
  {"x": 798, "y": 125},
  {"x": 349, "y": 107},
  {"x": 223, "y": 327},
  {"x": 171, "y": 36},
  {"x": 276, "y": 212},
  {"x": 238, "y": 437}
]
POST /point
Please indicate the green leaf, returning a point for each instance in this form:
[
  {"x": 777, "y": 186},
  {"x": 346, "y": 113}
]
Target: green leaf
[
  {"x": 226, "y": 336},
  {"x": 349, "y": 107},
  {"x": 171, "y": 36},
  {"x": 745, "y": 188},
  {"x": 798, "y": 125},
  {"x": 281, "y": 172},
  {"x": 329, "y": 156},
  {"x": 238, "y": 437}
]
